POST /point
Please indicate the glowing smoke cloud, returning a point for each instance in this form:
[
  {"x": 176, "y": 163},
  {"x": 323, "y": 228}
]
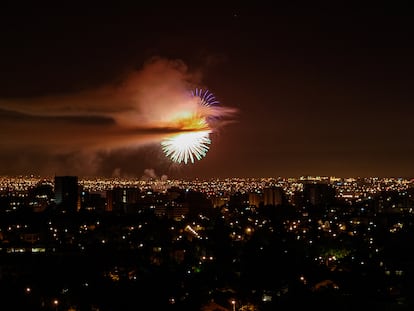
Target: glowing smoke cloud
[{"x": 148, "y": 106}]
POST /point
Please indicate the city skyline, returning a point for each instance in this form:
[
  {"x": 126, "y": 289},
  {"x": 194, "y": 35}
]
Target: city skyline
[
  {"x": 304, "y": 90},
  {"x": 237, "y": 244}
]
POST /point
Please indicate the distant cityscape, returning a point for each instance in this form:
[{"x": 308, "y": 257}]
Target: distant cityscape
[
  {"x": 72, "y": 243},
  {"x": 349, "y": 189}
]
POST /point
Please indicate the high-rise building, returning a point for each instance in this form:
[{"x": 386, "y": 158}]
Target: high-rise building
[
  {"x": 273, "y": 196},
  {"x": 67, "y": 193},
  {"x": 318, "y": 194},
  {"x": 118, "y": 199},
  {"x": 255, "y": 199}
]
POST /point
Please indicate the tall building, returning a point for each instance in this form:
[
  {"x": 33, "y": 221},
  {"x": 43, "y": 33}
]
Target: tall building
[
  {"x": 273, "y": 196},
  {"x": 318, "y": 194},
  {"x": 67, "y": 193},
  {"x": 255, "y": 199},
  {"x": 118, "y": 199}
]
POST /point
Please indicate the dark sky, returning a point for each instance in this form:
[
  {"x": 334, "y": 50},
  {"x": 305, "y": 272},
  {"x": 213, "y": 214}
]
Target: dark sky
[{"x": 317, "y": 90}]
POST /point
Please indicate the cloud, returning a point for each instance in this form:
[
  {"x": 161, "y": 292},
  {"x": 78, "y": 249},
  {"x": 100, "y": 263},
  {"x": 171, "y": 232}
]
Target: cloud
[
  {"x": 149, "y": 173},
  {"x": 138, "y": 110},
  {"x": 116, "y": 172}
]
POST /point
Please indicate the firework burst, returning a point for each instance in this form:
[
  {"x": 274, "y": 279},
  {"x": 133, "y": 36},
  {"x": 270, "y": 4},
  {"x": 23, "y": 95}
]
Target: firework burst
[
  {"x": 187, "y": 147},
  {"x": 193, "y": 142},
  {"x": 206, "y": 97}
]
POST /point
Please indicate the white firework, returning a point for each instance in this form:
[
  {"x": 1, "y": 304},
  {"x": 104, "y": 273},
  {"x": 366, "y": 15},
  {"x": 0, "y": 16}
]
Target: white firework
[{"x": 185, "y": 147}]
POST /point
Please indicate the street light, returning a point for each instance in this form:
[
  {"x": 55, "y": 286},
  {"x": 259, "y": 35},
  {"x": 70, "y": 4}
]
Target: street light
[
  {"x": 233, "y": 302},
  {"x": 56, "y": 303}
]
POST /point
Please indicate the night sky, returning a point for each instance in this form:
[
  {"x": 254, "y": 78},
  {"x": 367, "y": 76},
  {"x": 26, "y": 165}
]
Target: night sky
[{"x": 86, "y": 89}]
